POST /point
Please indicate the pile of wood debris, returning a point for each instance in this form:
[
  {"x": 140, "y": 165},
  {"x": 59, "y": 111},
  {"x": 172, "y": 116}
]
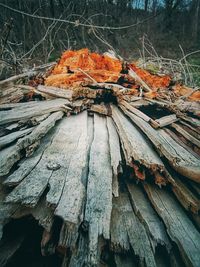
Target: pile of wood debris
[{"x": 106, "y": 157}]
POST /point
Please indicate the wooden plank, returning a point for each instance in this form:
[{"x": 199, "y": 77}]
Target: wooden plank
[
  {"x": 29, "y": 163},
  {"x": 101, "y": 109},
  {"x": 167, "y": 120},
  {"x": 56, "y": 92},
  {"x": 179, "y": 227},
  {"x": 135, "y": 111},
  {"x": 187, "y": 199},
  {"x": 17, "y": 113},
  {"x": 148, "y": 217},
  {"x": 115, "y": 154},
  {"x": 179, "y": 158},
  {"x": 99, "y": 188},
  {"x": 10, "y": 155},
  {"x": 136, "y": 232},
  {"x": 136, "y": 145},
  {"x": 9, "y": 138},
  {"x": 118, "y": 233},
  {"x": 70, "y": 205},
  {"x": 31, "y": 188},
  {"x": 185, "y": 134}
]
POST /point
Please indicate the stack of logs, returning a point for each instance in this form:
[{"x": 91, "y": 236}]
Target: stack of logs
[{"x": 106, "y": 158}]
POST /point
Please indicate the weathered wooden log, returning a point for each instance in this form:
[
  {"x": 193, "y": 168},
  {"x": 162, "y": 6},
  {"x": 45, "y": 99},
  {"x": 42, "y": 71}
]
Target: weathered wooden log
[
  {"x": 148, "y": 217},
  {"x": 185, "y": 196},
  {"x": 6, "y": 140},
  {"x": 70, "y": 206},
  {"x": 179, "y": 158},
  {"x": 99, "y": 188},
  {"x": 101, "y": 109},
  {"x": 167, "y": 120},
  {"x": 10, "y": 155},
  {"x": 134, "y": 231},
  {"x": 55, "y": 92},
  {"x": 33, "y": 109},
  {"x": 179, "y": 226},
  {"x": 185, "y": 134},
  {"x": 135, "y": 145},
  {"x": 115, "y": 154}
]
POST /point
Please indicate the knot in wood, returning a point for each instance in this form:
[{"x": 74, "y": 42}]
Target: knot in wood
[{"x": 53, "y": 166}]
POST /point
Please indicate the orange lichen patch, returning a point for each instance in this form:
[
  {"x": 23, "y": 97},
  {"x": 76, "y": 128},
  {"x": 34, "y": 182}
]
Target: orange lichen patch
[
  {"x": 195, "y": 96},
  {"x": 181, "y": 90},
  {"x": 66, "y": 80},
  {"x": 86, "y": 60},
  {"x": 154, "y": 81}
]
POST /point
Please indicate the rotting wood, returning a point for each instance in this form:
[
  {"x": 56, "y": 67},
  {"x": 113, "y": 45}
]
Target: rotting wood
[
  {"x": 136, "y": 146},
  {"x": 148, "y": 217},
  {"x": 134, "y": 75},
  {"x": 136, "y": 232},
  {"x": 71, "y": 202},
  {"x": 185, "y": 134},
  {"x": 17, "y": 113},
  {"x": 69, "y": 148},
  {"x": 9, "y": 156},
  {"x": 118, "y": 233},
  {"x": 115, "y": 155},
  {"x": 55, "y": 92},
  {"x": 99, "y": 188},
  {"x": 187, "y": 199},
  {"x": 7, "y": 139},
  {"x": 28, "y": 192},
  {"x": 101, "y": 109},
  {"x": 179, "y": 226},
  {"x": 166, "y": 120},
  {"x": 179, "y": 158}
]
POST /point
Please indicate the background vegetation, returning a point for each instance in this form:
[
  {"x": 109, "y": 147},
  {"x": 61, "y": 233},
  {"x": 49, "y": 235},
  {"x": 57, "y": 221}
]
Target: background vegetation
[{"x": 37, "y": 31}]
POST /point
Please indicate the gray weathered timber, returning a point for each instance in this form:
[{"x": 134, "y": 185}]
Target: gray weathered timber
[
  {"x": 9, "y": 138},
  {"x": 137, "y": 235},
  {"x": 118, "y": 233},
  {"x": 56, "y": 92},
  {"x": 12, "y": 154},
  {"x": 68, "y": 235},
  {"x": 17, "y": 112},
  {"x": 31, "y": 188},
  {"x": 79, "y": 255},
  {"x": 167, "y": 120},
  {"x": 187, "y": 199},
  {"x": 29, "y": 163},
  {"x": 99, "y": 188},
  {"x": 136, "y": 146},
  {"x": 71, "y": 202},
  {"x": 179, "y": 227},
  {"x": 185, "y": 134},
  {"x": 148, "y": 217},
  {"x": 179, "y": 158},
  {"x": 115, "y": 154}
]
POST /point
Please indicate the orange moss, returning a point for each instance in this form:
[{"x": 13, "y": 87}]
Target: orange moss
[
  {"x": 86, "y": 61},
  {"x": 181, "y": 90},
  {"x": 153, "y": 81}
]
